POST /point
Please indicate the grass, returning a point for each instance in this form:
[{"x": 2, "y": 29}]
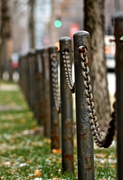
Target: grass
[
  {"x": 26, "y": 155},
  {"x": 105, "y": 163}
]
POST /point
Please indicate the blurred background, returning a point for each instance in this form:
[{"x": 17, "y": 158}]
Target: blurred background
[{"x": 26, "y": 24}]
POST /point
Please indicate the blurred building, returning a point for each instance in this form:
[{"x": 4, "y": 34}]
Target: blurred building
[
  {"x": 111, "y": 7},
  {"x": 72, "y": 15},
  {"x": 69, "y": 12},
  {"x": 42, "y": 16}
]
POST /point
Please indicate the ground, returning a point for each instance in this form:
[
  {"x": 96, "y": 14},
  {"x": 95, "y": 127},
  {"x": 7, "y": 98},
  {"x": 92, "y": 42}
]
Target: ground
[{"x": 26, "y": 154}]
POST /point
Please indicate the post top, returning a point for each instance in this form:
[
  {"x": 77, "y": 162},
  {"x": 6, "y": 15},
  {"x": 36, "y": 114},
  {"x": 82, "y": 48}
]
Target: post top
[
  {"x": 31, "y": 52},
  {"x": 81, "y": 33},
  {"x": 38, "y": 49},
  {"x": 118, "y": 15},
  {"x": 52, "y": 47},
  {"x": 65, "y": 38}
]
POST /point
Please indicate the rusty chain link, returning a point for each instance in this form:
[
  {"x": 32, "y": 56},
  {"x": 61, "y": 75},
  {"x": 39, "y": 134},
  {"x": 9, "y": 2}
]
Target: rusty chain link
[
  {"x": 68, "y": 69},
  {"x": 54, "y": 73},
  {"x": 98, "y": 137}
]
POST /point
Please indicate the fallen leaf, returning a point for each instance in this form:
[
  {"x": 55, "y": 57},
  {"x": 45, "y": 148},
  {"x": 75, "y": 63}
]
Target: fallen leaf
[
  {"x": 28, "y": 162},
  {"x": 7, "y": 163},
  {"x": 112, "y": 156},
  {"x": 56, "y": 151},
  {"x": 47, "y": 140},
  {"x": 23, "y": 120},
  {"x": 37, "y": 173},
  {"x": 21, "y": 157}
]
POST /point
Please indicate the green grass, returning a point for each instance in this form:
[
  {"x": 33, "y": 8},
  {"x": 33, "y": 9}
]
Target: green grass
[
  {"x": 22, "y": 154},
  {"x": 105, "y": 163}
]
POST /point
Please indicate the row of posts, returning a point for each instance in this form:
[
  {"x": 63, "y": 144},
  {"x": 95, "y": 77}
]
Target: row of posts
[{"x": 38, "y": 79}]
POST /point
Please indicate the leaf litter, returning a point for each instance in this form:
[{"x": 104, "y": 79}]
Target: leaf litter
[{"x": 26, "y": 154}]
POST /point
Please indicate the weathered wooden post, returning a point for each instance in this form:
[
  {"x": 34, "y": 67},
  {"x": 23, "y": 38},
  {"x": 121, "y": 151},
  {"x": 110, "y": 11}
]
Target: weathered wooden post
[
  {"x": 119, "y": 91},
  {"x": 54, "y": 115},
  {"x": 84, "y": 135},
  {"x": 66, "y": 110}
]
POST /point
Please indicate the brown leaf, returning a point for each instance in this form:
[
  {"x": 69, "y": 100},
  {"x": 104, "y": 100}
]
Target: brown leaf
[
  {"x": 56, "y": 151},
  {"x": 28, "y": 161},
  {"x": 37, "y": 173},
  {"x": 7, "y": 163}
]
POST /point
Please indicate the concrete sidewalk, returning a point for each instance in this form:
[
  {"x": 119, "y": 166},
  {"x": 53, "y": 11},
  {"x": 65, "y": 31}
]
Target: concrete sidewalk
[{"x": 9, "y": 87}]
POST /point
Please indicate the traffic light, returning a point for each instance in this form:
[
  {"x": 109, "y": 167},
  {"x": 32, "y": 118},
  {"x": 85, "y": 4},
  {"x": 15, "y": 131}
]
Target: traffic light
[{"x": 57, "y": 23}]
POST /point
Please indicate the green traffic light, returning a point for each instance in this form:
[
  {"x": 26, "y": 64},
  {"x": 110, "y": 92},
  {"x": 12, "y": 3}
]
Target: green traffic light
[{"x": 58, "y": 23}]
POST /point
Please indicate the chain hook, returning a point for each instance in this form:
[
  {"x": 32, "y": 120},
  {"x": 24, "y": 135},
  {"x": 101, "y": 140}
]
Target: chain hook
[
  {"x": 83, "y": 50},
  {"x": 83, "y": 53}
]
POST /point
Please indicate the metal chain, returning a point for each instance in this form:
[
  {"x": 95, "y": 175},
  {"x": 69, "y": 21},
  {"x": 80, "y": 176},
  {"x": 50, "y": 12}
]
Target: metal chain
[
  {"x": 54, "y": 73},
  {"x": 68, "y": 69},
  {"x": 99, "y": 139}
]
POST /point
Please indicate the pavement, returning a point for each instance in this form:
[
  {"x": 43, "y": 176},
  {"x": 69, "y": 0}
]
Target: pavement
[
  {"x": 8, "y": 87},
  {"x": 111, "y": 83}
]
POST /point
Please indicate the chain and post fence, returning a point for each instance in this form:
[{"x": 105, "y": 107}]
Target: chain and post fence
[
  {"x": 45, "y": 86},
  {"x": 54, "y": 107},
  {"x": 31, "y": 64},
  {"x": 38, "y": 86},
  {"x": 66, "y": 105},
  {"x": 23, "y": 76},
  {"x": 37, "y": 79},
  {"x": 84, "y": 134},
  {"x": 45, "y": 65}
]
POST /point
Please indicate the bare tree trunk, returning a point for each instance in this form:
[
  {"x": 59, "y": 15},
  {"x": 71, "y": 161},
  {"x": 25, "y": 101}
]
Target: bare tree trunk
[
  {"x": 5, "y": 36},
  {"x": 32, "y": 24},
  {"x": 94, "y": 24}
]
